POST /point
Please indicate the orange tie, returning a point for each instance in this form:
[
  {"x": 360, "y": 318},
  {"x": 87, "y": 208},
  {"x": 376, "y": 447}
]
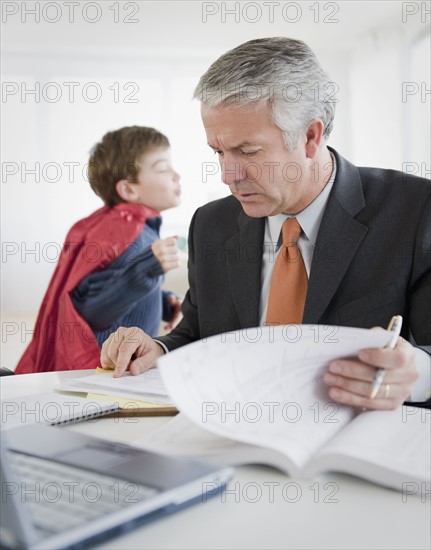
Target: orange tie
[{"x": 289, "y": 280}]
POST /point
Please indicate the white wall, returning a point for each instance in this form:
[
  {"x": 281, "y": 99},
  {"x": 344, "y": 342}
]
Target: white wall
[{"x": 368, "y": 48}]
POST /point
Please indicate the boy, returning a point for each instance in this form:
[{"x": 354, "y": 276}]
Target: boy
[{"x": 112, "y": 264}]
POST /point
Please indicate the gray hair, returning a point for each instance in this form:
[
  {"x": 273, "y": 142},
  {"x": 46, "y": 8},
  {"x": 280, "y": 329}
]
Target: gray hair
[{"x": 281, "y": 71}]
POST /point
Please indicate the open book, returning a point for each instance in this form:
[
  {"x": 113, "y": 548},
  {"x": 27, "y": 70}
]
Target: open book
[{"x": 249, "y": 397}]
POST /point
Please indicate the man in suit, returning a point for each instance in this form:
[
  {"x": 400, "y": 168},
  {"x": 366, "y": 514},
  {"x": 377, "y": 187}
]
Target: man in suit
[{"x": 364, "y": 233}]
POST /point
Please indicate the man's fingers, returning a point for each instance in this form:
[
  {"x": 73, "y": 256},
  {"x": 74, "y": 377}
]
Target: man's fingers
[
  {"x": 362, "y": 388},
  {"x": 359, "y": 401},
  {"x": 118, "y": 349},
  {"x": 402, "y": 355},
  {"x": 148, "y": 360},
  {"x": 124, "y": 357},
  {"x": 129, "y": 348},
  {"x": 350, "y": 380},
  {"x": 107, "y": 364},
  {"x": 140, "y": 365},
  {"x": 105, "y": 360},
  {"x": 398, "y": 364},
  {"x": 349, "y": 368},
  {"x": 123, "y": 351},
  {"x": 352, "y": 369}
]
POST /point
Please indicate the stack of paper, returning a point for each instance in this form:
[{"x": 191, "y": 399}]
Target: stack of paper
[{"x": 130, "y": 392}]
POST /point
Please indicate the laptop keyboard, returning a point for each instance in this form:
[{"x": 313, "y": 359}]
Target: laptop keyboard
[{"x": 61, "y": 497}]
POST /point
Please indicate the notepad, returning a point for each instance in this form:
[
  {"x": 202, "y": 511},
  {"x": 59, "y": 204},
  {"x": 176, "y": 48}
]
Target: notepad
[
  {"x": 52, "y": 408},
  {"x": 135, "y": 407}
]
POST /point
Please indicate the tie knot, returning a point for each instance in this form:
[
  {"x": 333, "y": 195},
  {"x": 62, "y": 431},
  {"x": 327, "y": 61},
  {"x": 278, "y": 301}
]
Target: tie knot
[{"x": 291, "y": 230}]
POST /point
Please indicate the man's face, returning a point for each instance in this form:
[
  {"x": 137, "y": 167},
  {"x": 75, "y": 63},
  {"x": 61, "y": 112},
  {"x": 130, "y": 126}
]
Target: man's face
[
  {"x": 158, "y": 183},
  {"x": 261, "y": 173}
]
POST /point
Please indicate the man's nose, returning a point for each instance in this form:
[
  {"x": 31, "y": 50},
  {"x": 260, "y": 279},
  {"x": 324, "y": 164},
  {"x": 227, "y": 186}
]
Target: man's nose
[{"x": 232, "y": 172}]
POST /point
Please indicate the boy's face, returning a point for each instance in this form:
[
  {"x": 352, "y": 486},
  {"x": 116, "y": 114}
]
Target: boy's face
[{"x": 158, "y": 184}]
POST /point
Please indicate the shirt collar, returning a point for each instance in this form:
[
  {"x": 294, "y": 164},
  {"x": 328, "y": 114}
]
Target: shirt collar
[
  {"x": 155, "y": 223},
  {"x": 309, "y": 218}
]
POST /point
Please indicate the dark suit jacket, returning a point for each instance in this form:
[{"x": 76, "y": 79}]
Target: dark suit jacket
[{"x": 371, "y": 260}]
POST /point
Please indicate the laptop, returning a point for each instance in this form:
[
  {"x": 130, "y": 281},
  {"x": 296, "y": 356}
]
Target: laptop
[{"x": 60, "y": 489}]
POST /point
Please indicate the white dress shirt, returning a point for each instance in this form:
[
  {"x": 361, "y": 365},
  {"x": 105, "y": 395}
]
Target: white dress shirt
[{"x": 309, "y": 219}]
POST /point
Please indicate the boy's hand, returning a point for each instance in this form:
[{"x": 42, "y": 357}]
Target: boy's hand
[{"x": 166, "y": 251}]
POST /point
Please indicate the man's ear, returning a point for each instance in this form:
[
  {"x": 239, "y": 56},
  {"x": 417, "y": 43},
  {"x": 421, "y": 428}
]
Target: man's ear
[
  {"x": 126, "y": 190},
  {"x": 314, "y": 135}
]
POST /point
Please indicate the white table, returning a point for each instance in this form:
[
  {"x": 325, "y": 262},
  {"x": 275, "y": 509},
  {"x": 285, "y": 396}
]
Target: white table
[{"x": 264, "y": 508}]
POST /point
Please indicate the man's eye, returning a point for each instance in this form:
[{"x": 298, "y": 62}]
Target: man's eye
[
  {"x": 220, "y": 153},
  {"x": 249, "y": 153}
]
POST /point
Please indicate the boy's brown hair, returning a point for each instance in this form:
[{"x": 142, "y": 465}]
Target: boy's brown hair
[{"x": 116, "y": 157}]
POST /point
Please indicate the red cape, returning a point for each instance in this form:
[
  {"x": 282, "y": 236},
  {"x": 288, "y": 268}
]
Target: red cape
[{"x": 62, "y": 339}]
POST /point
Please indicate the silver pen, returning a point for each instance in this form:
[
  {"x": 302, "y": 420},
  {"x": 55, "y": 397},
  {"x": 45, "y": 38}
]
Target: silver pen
[{"x": 394, "y": 327}]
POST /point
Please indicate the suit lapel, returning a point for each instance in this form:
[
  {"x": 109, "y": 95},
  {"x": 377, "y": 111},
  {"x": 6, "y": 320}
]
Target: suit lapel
[
  {"x": 244, "y": 265},
  {"x": 339, "y": 237}
]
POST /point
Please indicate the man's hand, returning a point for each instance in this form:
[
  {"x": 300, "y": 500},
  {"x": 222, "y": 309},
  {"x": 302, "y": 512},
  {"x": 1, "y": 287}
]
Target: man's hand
[
  {"x": 166, "y": 251},
  {"x": 175, "y": 303},
  {"x": 118, "y": 349},
  {"x": 350, "y": 380}
]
